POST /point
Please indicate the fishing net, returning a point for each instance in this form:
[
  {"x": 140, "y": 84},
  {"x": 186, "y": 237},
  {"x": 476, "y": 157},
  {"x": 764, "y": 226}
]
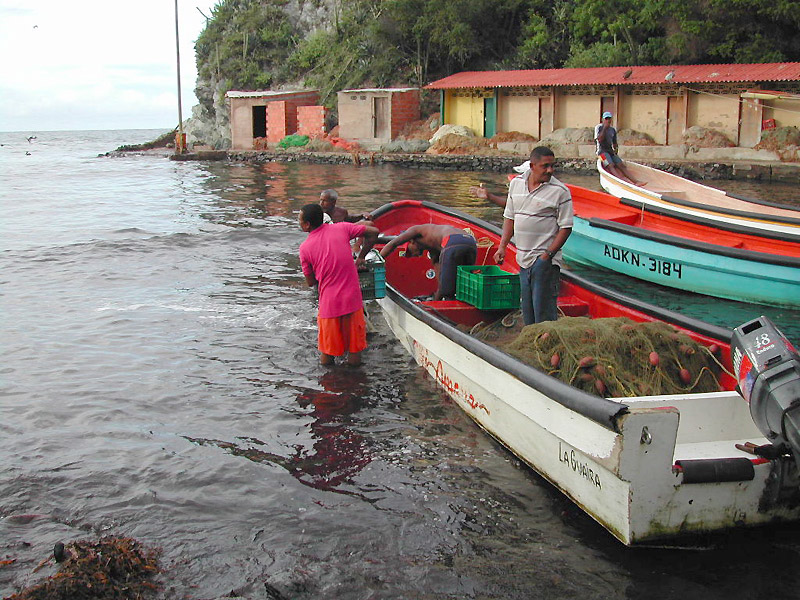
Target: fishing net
[
  {"x": 613, "y": 357},
  {"x": 294, "y": 140}
]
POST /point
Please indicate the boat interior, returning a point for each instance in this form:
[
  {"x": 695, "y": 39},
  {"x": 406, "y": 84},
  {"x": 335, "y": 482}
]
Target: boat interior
[{"x": 697, "y": 194}]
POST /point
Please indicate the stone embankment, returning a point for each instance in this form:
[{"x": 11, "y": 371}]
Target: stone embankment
[{"x": 699, "y": 170}]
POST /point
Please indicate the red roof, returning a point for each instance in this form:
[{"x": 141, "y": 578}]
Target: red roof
[{"x": 616, "y": 76}]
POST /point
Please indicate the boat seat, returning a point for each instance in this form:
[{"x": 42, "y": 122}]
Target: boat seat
[
  {"x": 455, "y": 311},
  {"x": 571, "y": 306}
]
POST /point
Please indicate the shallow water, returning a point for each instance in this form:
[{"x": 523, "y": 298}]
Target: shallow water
[{"x": 159, "y": 379}]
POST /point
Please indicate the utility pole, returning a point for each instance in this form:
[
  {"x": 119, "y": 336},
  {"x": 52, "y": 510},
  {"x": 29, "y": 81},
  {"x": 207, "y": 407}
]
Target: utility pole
[{"x": 180, "y": 142}]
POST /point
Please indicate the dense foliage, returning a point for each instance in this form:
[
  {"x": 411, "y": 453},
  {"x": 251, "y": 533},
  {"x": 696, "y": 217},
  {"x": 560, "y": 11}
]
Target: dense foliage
[{"x": 253, "y": 44}]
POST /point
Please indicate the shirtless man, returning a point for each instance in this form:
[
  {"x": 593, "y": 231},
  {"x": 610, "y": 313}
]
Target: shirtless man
[
  {"x": 337, "y": 214},
  {"x": 447, "y": 246}
]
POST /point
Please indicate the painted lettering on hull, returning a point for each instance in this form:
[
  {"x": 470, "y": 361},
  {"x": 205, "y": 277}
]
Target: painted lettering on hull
[
  {"x": 436, "y": 368},
  {"x": 649, "y": 263},
  {"x": 571, "y": 458}
]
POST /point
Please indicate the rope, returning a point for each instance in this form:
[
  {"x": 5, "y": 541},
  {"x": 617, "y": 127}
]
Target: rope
[
  {"x": 485, "y": 242},
  {"x": 739, "y": 100}
]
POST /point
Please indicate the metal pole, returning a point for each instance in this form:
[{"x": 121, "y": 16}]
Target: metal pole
[{"x": 179, "y": 147}]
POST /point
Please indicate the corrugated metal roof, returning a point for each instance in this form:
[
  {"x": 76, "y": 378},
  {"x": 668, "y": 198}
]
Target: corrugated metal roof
[
  {"x": 371, "y": 90},
  {"x": 683, "y": 74},
  {"x": 263, "y": 93}
]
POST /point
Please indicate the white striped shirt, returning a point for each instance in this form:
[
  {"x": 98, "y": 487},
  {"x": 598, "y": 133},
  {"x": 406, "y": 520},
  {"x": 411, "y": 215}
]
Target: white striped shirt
[{"x": 537, "y": 216}]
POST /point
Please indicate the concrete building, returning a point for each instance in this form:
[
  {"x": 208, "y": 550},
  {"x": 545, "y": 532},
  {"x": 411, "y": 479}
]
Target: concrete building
[
  {"x": 738, "y": 100},
  {"x": 376, "y": 115},
  {"x": 273, "y": 115}
]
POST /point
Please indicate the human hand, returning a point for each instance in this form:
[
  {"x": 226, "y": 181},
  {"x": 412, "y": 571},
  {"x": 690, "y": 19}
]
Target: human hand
[
  {"x": 500, "y": 255},
  {"x": 479, "y": 191}
]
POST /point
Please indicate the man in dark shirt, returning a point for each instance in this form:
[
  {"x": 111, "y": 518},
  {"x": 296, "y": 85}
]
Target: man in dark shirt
[{"x": 606, "y": 137}]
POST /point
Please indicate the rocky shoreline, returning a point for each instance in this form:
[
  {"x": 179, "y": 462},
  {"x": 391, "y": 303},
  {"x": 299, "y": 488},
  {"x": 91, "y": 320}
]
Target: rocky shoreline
[{"x": 766, "y": 171}]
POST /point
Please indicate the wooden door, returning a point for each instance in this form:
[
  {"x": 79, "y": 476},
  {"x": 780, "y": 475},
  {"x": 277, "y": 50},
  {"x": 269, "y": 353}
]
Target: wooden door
[
  {"x": 380, "y": 117},
  {"x": 676, "y": 119}
]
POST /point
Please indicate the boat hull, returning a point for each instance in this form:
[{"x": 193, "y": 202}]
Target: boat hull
[
  {"x": 682, "y": 267},
  {"x": 625, "y": 477}
]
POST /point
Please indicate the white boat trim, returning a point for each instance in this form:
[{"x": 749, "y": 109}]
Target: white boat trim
[{"x": 765, "y": 219}]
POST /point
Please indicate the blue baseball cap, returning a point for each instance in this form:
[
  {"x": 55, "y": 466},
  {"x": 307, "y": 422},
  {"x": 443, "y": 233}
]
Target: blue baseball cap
[{"x": 607, "y": 115}]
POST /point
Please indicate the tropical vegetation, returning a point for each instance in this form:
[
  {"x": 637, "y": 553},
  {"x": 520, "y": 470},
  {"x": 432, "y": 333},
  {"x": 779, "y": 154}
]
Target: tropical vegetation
[{"x": 257, "y": 44}]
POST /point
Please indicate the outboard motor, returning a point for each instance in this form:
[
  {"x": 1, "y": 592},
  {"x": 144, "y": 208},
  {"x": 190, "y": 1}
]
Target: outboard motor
[{"x": 767, "y": 367}]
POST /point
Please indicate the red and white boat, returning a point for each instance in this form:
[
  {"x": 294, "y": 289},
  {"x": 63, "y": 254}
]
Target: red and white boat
[
  {"x": 648, "y": 468},
  {"x": 686, "y": 199}
]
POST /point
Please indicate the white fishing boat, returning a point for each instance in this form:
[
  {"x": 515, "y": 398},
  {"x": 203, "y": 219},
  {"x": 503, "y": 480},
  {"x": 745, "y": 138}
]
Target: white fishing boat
[
  {"x": 649, "y": 469},
  {"x": 680, "y": 197}
]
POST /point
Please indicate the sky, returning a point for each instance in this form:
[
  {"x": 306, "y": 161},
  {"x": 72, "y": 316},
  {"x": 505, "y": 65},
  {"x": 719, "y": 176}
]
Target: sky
[{"x": 96, "y": 64}]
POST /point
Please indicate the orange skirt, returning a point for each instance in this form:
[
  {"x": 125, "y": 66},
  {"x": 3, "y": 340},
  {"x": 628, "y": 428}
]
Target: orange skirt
[{"x": 347, "y": 333}]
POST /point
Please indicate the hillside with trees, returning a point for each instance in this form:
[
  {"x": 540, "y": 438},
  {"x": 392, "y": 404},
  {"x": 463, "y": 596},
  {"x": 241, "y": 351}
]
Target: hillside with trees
[{"x": 332, "y": 45}]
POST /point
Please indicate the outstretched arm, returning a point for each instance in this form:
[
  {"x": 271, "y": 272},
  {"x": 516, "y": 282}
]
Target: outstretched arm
[
  {"x": 479, "y": 191},
  {"x": 408, "y": 234},
  {"x": 370, "y": 237}
]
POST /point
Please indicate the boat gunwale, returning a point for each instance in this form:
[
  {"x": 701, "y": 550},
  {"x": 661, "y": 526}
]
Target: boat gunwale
[
  {"x": 705, "y": 247},
  {"x": 602, "y": 411},
  {"x": 779, "y": 219},
  {"x": 710, "y": 222}
]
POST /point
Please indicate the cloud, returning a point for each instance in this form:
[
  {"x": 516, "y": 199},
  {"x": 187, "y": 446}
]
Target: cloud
[{"x": 95, "y": 64}]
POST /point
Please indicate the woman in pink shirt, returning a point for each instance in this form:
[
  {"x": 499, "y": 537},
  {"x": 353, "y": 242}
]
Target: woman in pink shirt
[{"x": 327, "y": 262}]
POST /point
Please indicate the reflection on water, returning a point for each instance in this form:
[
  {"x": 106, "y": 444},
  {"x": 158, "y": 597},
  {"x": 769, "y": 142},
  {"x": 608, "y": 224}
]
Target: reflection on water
[
  {"x": 334, "y": 452},
  {"x": 160, "y": 379}
]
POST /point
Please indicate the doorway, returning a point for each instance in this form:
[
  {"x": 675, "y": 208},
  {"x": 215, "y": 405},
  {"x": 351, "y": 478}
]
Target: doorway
[{"x": 259, "y": 121}]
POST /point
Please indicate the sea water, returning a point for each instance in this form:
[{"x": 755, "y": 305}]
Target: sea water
[{"x": 159, "y": 379}]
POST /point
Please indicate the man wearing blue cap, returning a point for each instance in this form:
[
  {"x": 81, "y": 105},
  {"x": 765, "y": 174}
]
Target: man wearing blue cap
[{"x": 606, "y": 137}]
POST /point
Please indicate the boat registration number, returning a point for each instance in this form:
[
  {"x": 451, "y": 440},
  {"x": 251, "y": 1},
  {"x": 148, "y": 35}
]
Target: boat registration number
[{"x": 654, "y": 265}]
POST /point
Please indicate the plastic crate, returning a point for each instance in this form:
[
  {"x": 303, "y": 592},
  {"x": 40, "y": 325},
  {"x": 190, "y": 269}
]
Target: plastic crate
[
  {"x": 373, "y": 281},
  {"x": 487, "y": 287}
]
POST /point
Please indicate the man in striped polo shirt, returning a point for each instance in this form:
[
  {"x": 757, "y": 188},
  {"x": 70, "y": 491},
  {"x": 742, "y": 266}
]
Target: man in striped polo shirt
[{"x": 538, "y": 213}]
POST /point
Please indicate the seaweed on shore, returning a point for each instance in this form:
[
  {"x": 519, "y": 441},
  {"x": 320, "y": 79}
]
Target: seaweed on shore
[{"x": 111, "y": 568}]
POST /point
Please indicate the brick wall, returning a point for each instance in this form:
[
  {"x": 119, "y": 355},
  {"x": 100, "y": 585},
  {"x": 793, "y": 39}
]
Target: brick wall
[
  {"x": 311, "y": 121},
  {"x": 405, "y": 109},
  {"x": 282, "y": 114},
  {"x": 277, "y": 121}
]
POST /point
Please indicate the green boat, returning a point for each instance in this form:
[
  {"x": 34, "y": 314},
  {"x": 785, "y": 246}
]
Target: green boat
[{"x": 667, "y": 248}]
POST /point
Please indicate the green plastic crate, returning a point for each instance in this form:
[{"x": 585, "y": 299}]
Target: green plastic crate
[{"x": 487, "y": 287}]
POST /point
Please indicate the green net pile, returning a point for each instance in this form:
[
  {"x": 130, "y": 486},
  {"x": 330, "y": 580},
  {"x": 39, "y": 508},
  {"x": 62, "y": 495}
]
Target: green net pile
[{"x": 616, "y": 357}]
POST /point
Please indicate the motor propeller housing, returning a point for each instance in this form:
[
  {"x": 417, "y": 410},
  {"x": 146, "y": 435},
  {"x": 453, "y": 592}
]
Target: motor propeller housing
[{"x": 767, "y": 367}]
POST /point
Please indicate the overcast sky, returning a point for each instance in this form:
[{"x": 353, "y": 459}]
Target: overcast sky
[{"x": 96, "y": 64}]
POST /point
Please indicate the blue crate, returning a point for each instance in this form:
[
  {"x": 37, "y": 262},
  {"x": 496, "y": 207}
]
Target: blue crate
[{"x": 373, "y": 281}]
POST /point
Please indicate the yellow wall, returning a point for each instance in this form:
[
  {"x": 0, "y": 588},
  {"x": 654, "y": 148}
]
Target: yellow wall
[
  {"x": 577, "y": 111},
  {"x": 787, "y": 115},
  {"x": 647, "y": 114},
  {"x": 466, "y": 111},
  {"x": 715, "y": 112},
  {"x": 518, "y": 113}
]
